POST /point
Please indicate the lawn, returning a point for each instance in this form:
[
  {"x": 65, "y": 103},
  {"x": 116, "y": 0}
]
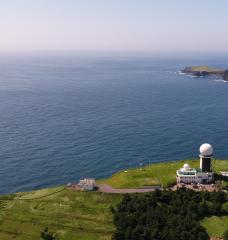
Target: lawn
[
  {"x": 215, "y": 226},
  {"x": 72, "y": 215},
  {"x": 155, "y": 174}
]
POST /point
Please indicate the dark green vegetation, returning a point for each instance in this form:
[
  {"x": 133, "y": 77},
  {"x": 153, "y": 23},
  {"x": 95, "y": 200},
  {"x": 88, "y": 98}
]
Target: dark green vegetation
[
  {"x": 203, "y": 71},
  {"x": 47, "y": 235},
  {"x": 166, "y": 215},
  {"x": 68, "y": 213},
  {"x": 225, "y": 235},
  {"x": 156, "y": 174}
]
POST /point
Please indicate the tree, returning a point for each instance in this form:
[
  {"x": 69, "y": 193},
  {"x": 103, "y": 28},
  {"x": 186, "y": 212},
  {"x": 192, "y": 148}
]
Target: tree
[
  {"x": 225, "y": 208},
  {"x": 46, "y": 235},
  {"x": 225, "y": 235},
  {"x": 166, "y": 215},
  {"x": 203, "y": 209}
]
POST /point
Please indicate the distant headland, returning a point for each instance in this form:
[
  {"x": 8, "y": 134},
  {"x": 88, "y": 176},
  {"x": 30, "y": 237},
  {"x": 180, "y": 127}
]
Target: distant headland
[{"x": 205, "y": 71}]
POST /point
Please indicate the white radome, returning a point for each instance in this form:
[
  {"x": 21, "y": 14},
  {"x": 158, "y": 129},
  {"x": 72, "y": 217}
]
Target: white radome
[
  {"x": 206, "y": 150},
  {"x": 186, "y": 166}
]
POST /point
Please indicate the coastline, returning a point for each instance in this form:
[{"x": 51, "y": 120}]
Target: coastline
[
  {"x": 159, "y": 174},
  {"x": 82, "y": 214}
]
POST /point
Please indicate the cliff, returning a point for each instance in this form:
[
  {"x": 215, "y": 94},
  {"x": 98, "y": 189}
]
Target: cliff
[
  {"x": 225, "y": 75},
  {"x": 205, "y": 71}
]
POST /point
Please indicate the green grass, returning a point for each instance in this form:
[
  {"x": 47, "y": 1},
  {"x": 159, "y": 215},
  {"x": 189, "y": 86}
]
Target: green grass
[
  {"x": 220, "y": 165},
  {"x": 81, "y": 215},
  {"x": 71, "y": 214},
  {"x": 155, "y": 174},
  {"x": 215, "y": 226},
  {"x": 206, "y": 68}
]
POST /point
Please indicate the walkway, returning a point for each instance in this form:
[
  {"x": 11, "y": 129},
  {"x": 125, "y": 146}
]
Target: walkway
[{"x": 105, "y": 188}]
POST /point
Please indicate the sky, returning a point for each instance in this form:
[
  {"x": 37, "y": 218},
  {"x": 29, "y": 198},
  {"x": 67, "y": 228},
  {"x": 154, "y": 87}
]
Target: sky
[{"x": 114, "y": 25}]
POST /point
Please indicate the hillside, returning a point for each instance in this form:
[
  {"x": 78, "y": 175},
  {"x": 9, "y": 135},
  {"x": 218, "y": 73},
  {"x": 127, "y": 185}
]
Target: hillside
[
  {"x": 83, "y": 215},
  {"x": 71, "y": 214},
  {"x": 155, "y": 174}
]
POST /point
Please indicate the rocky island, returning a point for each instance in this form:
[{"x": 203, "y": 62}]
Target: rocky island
[{"x": 205, "y": 71}]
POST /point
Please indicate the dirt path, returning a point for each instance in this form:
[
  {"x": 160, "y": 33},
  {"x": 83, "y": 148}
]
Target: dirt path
[{"x": 105, "y": 188}]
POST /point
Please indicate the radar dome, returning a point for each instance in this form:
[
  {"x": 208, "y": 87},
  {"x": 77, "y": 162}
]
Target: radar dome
[
  {"x": 206, "y": 150},
  {"x": 186, "y": 166}
]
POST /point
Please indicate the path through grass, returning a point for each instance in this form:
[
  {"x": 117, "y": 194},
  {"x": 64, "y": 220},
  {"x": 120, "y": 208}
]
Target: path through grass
[{"x": 73, "y": 215}]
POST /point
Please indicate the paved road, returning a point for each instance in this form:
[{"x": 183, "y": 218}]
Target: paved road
[{"x": 105, "y": 188}]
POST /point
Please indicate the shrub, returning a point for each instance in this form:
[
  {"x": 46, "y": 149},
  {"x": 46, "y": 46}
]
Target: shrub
[
  {"x": 46, "y": 235},
  {"x": 166, "y": 215}
]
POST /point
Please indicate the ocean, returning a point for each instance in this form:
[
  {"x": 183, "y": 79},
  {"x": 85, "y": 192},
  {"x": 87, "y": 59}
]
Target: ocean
[{"x": 66, "y": 117}]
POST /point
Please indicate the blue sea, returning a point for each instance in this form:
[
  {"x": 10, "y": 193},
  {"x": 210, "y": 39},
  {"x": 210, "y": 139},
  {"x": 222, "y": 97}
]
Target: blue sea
[{"x": 66, "y": 117}]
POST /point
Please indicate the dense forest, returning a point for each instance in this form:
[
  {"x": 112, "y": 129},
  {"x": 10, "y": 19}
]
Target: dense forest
[{"x": 166, "y": 215}]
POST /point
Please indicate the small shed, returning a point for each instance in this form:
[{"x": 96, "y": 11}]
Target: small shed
[{"x": 87, "y": 184}]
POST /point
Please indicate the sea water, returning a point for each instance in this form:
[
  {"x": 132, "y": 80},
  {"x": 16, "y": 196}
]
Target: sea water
[{"x": 67, "y": 117}]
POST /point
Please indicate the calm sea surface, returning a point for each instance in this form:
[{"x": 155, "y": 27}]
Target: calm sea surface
[{"x": 64, "y": 118}]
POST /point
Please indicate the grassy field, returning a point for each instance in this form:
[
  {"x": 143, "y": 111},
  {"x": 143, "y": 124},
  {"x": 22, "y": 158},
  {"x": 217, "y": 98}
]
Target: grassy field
[
  {"x": 155, "y": 174},
  {"x": 72, "y": 215},
  {"x": 215, "y": 226},
  {"x": 84, "y": 215},
  {"x": 206, "y": 68}
]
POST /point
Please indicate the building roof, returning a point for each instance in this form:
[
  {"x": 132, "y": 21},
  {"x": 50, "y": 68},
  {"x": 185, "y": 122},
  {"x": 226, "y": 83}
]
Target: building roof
[{"x": 186, "y": 170}]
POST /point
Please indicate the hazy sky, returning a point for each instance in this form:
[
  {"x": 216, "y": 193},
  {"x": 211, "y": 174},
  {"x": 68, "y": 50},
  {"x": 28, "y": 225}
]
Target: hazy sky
[{"x": 107, "y": 25}]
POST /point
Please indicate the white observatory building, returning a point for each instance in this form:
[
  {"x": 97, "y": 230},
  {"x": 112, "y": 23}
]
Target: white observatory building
[{"x": 203, "y": 174}]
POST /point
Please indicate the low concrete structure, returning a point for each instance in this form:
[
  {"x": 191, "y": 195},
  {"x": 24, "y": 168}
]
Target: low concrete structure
[{"x": 87, "y": 184}]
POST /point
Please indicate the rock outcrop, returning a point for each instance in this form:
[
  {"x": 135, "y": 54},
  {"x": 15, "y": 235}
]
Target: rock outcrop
[
  {"x": 205, "y": 71},
  {"x": 225, "y": 75}
]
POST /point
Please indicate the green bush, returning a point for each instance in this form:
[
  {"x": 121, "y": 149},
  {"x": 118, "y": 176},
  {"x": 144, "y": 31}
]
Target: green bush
[
  {"x": 225, "y": 235},
  {"x": 225, "y": 208},
  {"x": 46, "y": 235},
  {"x": 166, "y": 215}
]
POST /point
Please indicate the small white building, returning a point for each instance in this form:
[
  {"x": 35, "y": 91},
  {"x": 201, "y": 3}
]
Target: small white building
[
  {"x": 190, "y": 175},
  {"x": 87, "y": 184}
]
